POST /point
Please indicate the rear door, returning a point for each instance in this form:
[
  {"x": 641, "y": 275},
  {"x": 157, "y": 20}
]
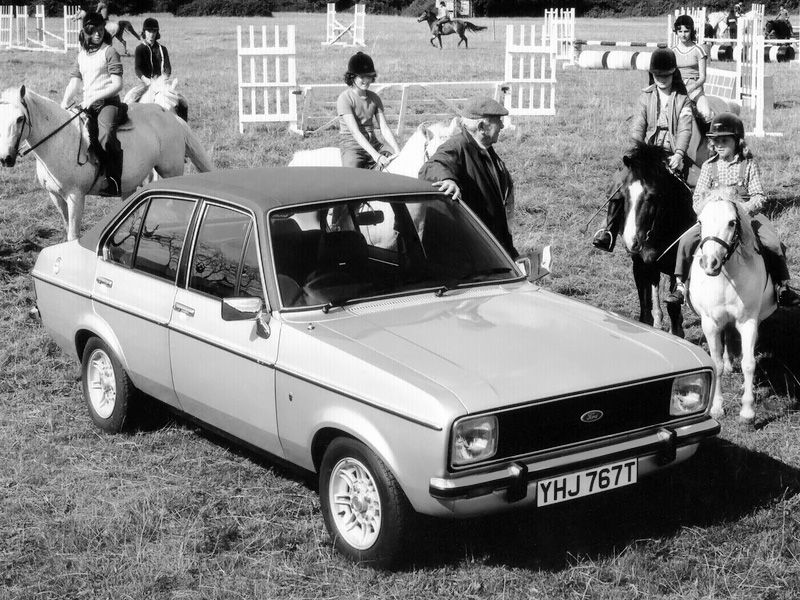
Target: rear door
[{"x": 224, "y": 370}]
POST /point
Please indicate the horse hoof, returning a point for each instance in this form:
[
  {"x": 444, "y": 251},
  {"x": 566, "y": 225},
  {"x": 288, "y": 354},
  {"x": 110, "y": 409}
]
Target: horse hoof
[
  {"x": 717, "y": 414},
  {"x": 746, "y": 421}
]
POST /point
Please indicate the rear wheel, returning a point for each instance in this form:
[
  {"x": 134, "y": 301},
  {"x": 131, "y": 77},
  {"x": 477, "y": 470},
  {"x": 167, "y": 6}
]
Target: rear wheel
[
  {"x": 365, "y": 510},
  {"x": 107, "y": 388}
]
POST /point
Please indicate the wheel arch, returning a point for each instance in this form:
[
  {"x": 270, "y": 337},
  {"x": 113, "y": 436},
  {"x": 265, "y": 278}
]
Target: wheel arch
[{"x": 99, "y": 330}]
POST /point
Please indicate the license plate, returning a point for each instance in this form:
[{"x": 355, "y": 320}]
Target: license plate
[{"x": 586, "y": 483}]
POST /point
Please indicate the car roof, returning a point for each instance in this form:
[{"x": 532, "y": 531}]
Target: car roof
[{"x": 265, "y": 188}]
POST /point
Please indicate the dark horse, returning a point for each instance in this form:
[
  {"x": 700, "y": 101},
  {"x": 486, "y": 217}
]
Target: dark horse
[
  {"x": 117, "y": 28},
  {"x": 458, "y": 26},
  {"x": 778, "y": 30},
  {"x": 657, "y": 209}
]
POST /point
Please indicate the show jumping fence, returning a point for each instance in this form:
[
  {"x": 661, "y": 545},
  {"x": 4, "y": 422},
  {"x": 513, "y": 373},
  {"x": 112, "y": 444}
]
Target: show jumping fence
[
  {"x": 559, "y": 23},
  {"x": 14, "y": 30},
  {"x": 269, "y": 91},
  {"x": 341, "y": 34},
  {"x": 464, "y": 8}
]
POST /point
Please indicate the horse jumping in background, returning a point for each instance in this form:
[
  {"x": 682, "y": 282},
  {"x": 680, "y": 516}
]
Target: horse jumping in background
[
  {"x": 458, "y": 26},
  {"x": 657, "y": 209},
  {"x": 778, "y": 30},
  {"x": 117, "y": 28},
  {"x": 152, "y": 139},
  {"x": 729, "y": 287}
]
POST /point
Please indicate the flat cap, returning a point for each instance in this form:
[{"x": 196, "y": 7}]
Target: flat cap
[{"x": 483, "y": 106}]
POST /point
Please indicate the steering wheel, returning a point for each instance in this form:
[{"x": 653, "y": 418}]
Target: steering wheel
[{"x": 327, "y": 279}]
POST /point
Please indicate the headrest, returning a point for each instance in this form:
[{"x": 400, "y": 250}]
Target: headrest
[{"x": 341, "y": 248}]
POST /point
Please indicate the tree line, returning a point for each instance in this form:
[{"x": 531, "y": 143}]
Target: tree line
[{"x": 480, "y": 8}]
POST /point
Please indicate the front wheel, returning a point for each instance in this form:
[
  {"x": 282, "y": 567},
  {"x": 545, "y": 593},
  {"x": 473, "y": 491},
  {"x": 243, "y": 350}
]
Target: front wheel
[
  {"x": 106, "y": 386},
  {"x": 365, "y": 510}
]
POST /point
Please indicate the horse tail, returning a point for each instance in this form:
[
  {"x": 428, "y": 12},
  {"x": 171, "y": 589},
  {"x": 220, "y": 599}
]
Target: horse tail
[
  {"x": 473, "y": 27},
  {"x": 194, "y": 149},
  {"x": 126, "y": 25}
]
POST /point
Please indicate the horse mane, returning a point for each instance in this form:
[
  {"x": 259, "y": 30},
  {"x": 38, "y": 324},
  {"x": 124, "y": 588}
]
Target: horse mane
[{"x": 646, "y": 162}]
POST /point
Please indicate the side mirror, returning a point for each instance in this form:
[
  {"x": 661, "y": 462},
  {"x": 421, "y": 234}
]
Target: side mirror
[
  {"x": 246, "y": 309},
  {"x": 536, "y": 263}
]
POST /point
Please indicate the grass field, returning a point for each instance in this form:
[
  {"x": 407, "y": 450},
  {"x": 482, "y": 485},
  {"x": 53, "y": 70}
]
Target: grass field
[{"x": 169, "y": 511}]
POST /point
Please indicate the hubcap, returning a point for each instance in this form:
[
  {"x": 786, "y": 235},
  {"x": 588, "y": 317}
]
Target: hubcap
[
  {"x": 101, "y": 384},
  {"x": 355, "y": 503}
]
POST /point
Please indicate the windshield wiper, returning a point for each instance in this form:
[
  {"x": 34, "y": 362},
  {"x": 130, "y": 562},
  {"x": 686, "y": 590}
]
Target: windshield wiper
[
  {"x": 454, "y": 284},
  {"x": 335, "y": 303},
  {"x": 485, "y": 272}
]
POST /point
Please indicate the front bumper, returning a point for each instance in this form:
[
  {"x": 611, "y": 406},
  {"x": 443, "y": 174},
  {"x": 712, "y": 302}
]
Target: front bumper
[{"x": 515, "y": 484}]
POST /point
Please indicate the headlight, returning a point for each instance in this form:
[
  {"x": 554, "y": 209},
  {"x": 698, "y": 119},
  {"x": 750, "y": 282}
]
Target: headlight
[
  {"x": 690, "y": 394},
  {"x": 473, "y": 440}
]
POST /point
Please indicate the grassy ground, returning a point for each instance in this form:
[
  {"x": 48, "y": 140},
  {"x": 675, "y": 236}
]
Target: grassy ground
[{"x": 169, "y": 511}]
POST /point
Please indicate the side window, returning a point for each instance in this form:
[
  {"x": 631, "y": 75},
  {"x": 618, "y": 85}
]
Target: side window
[
  {"x": 121, "y": 245},
  {"x": 162, "y": 237},
  {"x": 218, "y": 252},
  {"x": 250, "y": 277}
]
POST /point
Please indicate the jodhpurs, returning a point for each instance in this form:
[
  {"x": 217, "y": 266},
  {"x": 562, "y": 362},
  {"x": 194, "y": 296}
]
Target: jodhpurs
[{"x": 104, "y": 117}]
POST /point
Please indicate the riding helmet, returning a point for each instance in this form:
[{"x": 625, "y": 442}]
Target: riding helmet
[
  {"x": 92, "y": 20},
  {"x": 726, "y": 124},
  {"x": 150, "y": 24},
  {"x": 662, "y": 62},
  {"x": 361, "y": 64}
]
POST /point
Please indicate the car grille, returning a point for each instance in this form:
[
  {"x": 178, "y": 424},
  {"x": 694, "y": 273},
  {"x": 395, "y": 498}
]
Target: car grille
[{"x": 554, "y": 423}]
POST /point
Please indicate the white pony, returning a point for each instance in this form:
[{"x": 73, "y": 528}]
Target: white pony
[
  {"x": 719, "y": 22},
  {"x": 161, "y": 91},
  {"x": 729, "y": 285},
  {"x": 151, "y": 140},
  {"x": 418, "y": 149}
]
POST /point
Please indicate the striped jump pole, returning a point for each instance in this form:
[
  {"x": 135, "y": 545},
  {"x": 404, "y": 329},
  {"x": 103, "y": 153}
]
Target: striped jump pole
[{"x": 613, "y": 59}]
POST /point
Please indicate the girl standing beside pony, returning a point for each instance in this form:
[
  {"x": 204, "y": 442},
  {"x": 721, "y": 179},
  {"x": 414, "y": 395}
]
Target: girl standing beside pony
[
  {"x": 691, "y": 60},
  {"x": 358, "y": 107},
  {"x": 99, "y": 68},
  {"x": 665, "y": 118},
  {"x": 733, "y": 165}
]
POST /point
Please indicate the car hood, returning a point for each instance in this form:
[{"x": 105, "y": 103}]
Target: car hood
[{"x": 495, "y": 346}]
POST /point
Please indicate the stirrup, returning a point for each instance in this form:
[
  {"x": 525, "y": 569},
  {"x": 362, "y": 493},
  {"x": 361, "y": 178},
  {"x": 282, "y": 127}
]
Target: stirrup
[
  {"x": 603, "y": 239},
  {"x": 110, "y": 189}
]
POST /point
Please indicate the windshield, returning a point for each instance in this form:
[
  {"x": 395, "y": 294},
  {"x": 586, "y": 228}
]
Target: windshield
[{"x": 329, "y": 254}]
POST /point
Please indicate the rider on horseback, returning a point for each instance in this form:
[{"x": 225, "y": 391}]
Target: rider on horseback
[
  {"x": 442, "y": 16},
  {"x": 358, "y": 107},
  {"x": 664, "y": 118},
  {"x": 99, "y": 69},
  {"x": 734, "y": 166},
  {"x": 151, "y": 60}
]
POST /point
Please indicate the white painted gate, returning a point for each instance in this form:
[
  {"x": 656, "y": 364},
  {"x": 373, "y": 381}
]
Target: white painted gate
[{"x": 530, "y": 72}]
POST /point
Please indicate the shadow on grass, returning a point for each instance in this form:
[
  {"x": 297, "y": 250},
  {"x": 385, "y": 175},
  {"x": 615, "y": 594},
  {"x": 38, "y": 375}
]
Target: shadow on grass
[{"x": 723, "y": 482}]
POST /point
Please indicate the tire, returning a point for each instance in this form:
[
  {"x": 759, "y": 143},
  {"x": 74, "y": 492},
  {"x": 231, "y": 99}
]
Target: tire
[
  {"x": 372, "y": 526},
  {"x": 107, "y": 389}
]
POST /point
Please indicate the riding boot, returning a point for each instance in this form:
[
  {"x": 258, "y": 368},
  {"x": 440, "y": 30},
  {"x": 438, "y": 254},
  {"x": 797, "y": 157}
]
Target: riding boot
[
  {"x": 605, "y": 238},
  {"x": 113, "y": 168},
  {"x": 678, "y": 295}
]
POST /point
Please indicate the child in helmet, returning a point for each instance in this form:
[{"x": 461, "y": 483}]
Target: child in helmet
[
  {"x": 691, "y": 60},
  {"x": 733, "y": 165},
  {"x": 358, "y": 107},
  {"x": 665, "y": 118},
  {"x": 99, "y": 69},
  {"x": 150, "y": 61}
]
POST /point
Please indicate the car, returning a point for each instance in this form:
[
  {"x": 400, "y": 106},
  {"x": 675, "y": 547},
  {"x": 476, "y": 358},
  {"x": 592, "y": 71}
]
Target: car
[{"x": 369, "y": 330}]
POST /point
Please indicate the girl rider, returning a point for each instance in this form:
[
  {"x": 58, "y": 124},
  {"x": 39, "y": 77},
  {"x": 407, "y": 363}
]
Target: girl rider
[
  {"x": 99, "y": 68},
  {"x": 151, "y": 60},
  {"x": 358, "y": 107}
]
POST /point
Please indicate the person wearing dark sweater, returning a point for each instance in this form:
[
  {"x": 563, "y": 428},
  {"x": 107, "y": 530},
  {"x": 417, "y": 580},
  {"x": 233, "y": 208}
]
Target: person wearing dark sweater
[{"x": 150, "y": 61}]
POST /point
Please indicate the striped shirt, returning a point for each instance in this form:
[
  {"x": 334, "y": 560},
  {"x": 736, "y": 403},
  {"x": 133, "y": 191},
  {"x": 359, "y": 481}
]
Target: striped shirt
[{"x": 688, "y": 60}]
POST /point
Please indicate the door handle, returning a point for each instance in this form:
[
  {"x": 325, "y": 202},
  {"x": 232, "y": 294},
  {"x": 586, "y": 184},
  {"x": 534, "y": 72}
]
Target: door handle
[
  {"x": 182, "y": 308},
  {"x": 105, "y": 281}
]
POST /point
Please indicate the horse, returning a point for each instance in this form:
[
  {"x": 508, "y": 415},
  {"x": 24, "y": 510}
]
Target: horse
[
  {"x": 161, "y": 91},
  {"x": 117, "y": 28},
  {"x": 151, "y": 140},
  {"x": 778, "y": 30},
  {"x": 458, "y": 26},
  {"x": 743, "y": 296},
  {"x": 658, "y": 209},
  {"x": 418, "y": 149}
]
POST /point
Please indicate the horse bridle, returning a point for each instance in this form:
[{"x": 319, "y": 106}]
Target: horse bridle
[
  {"x": 730, "y": 247},
  {"x": 26, "y": 120}
]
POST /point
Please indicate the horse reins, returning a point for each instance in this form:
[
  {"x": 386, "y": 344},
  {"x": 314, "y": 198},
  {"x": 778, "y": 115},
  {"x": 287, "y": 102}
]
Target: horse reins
[
  {"x": 48, "y": 136},
  {"x": 602, "y": 206}
]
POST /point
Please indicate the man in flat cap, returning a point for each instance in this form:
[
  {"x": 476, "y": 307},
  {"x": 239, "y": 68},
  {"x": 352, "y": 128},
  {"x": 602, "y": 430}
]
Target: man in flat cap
[{"x": 467, "y": 168}]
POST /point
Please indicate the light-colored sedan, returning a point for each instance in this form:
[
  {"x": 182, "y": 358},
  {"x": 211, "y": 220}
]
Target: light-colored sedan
[{"x": 364, "y": 327}]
